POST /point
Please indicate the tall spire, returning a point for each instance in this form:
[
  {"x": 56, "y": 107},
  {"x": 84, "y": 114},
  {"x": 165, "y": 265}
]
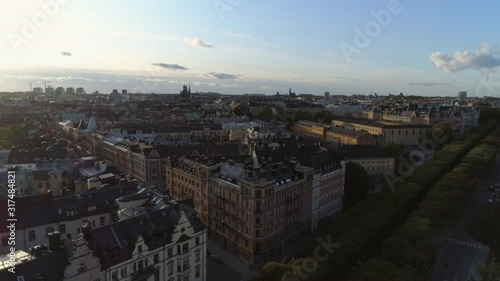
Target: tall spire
[{"x": 190, "y": 88}]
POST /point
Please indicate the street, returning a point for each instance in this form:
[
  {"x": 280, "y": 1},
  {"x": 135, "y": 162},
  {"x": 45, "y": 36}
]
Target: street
[
  {"x": 458, "y": 254},
  {"x": 221, "y": 271},
  {"x": 231, "y": 268}
]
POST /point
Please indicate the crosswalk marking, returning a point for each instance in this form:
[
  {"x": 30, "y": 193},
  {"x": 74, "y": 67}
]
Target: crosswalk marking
[{"x": 464, "y": 243}]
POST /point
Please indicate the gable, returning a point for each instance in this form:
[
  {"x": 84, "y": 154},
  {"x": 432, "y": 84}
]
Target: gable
[{"x": 154, "y": 154}]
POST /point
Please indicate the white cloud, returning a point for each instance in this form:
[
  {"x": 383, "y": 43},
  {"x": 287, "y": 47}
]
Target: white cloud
[
  {"x": 221, "y": 76},
  {"x": 486, "y": 57},
  {"x": 198, "y": 43}
]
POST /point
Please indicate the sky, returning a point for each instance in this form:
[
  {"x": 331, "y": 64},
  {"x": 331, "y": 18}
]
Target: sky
[{"x": 431, "y": 48}]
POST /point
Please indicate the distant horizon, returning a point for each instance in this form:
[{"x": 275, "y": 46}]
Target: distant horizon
[
  {"x": 266, "y": 95},
  {"x": 263, "y": 47}
]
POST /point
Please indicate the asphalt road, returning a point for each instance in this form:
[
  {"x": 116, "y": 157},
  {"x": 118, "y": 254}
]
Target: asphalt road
[
  {"x": 458, "y": 253},
  {"x": 221, "y": 272}
]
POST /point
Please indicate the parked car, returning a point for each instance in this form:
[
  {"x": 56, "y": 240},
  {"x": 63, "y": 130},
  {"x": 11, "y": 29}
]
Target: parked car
[
  {"x": 490, "y": 200},
  {"x": 491, "y": 188},
  {"x": 216, "y": 258}
]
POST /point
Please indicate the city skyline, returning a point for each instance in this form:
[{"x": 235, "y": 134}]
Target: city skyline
[{"x": 237, "y": 47}]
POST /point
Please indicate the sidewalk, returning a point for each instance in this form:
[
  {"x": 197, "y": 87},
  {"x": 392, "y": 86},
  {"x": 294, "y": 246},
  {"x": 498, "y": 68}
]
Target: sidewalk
[{"x": 232, "y": 261}]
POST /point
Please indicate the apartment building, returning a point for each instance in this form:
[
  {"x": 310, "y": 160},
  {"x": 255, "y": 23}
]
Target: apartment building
[
  {"x": 372, "y": 158},
  {"x": 387, "y": 132},
  {"x": 39, "y": 215},
  {"x": 345, "y": 136},
  {"x": 258, "y": 203}
]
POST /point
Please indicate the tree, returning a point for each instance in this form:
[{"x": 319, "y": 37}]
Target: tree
[
  {"x": 302, "y": 115},
  {"x": 377, "y": 270},
  {"x": 324, "y": 116},
  {"x": 357, "y": 184},
  {"x": 415, "y": 229},
  {"x": 397, "y": 250},
  {"x": 489, "y": 272},
  {"x": 265, "y": 112},
  {"x": 440, "y": 129},
  {"x": 240, "y": 109}
]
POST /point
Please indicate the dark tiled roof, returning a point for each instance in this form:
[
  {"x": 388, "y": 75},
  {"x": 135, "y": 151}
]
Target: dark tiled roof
[
  {"x": 347, "y": 132},
  {"x": 364, "y": 151},
  {"x": 35, "y": 210},
  {"x": 103, "y": 200},
  {"x": 50, "y": 266},
  {"x": 115, "y": 243}
]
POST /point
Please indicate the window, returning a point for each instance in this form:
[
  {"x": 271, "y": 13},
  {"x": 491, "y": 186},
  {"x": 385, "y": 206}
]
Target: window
[
  {"x": 31, "y": 235},
  {"x": 114, "y": 275},
  {"x": 102, "y": 220},
  {"x": 197, "y": 240},
  {"x": 170, "y": 268},
  {"x": 169, "y": 252},
  {"x": 156, "y": 258},
  {"x": 123, "y": 271},
  {"x": 82, "y": 268},
  {"x": 185, "y": 264},
  {"x": 139, "y": 248},
  {"x": 157, "y": 276},
  {"x": 62, "y": 228},
  {"x": 185, "y": 248},
  {"x": 197, "y": 272},
  {"x": 93, "y": 224},
  {"x": 197, "y": 255}
]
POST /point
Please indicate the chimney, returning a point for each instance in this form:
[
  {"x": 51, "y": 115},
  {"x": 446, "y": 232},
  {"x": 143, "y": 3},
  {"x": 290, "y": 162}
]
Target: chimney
[
  {"x": 54, "y": 241},
  {"x": 87, "y": 231}
]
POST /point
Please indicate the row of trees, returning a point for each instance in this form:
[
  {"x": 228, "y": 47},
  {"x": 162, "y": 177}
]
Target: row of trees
[
  {"x": 323, "y": 116},
  {"x": 410, "y": 250},
  {"x": 362, "y": 228},
  {"x": 357, "y": 184},
  {"x": 485, "y": 226}
]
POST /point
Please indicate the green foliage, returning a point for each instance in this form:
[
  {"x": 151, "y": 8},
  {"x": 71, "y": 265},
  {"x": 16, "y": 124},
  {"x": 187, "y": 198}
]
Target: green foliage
[
  {"x": 302, "y": 115},
  {"x": 485, "y": 226},
  {"x": 443, "y": 129},
  {"x": 265, "y": 112},
  {"x": 377, "y": 213},
  {"x": 357, "y": 184},
  {"x": 241, "y": 110},
  {"x": 324, "y": 116},
  {"x": 489, "y": 272},
  {"x": 415, "y": 229}
]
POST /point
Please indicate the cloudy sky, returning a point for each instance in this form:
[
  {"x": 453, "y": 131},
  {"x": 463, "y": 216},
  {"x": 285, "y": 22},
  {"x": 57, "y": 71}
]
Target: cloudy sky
[{"x": 240, "y": 46}]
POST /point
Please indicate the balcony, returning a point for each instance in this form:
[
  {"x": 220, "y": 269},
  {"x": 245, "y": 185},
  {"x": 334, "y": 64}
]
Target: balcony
[
  {"x": 144, "y": 273},
  {"x": 185, "y": 269}
]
